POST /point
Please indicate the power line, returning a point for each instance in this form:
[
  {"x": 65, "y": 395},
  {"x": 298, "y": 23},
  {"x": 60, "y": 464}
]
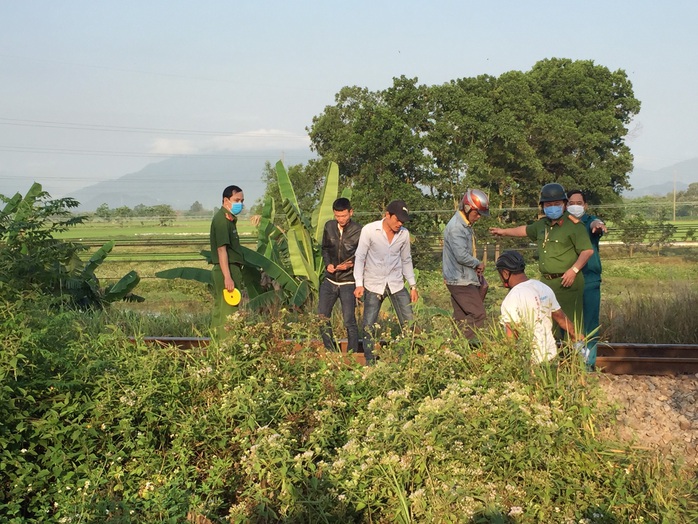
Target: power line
[
  {"x": 148, "y": 130},
  {"x": 286, "y": 86},
  {"x": 97, "y": 152}
]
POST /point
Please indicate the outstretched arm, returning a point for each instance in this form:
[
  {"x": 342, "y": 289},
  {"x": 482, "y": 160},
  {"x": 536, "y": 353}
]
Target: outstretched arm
[{"x": 518, "y": 231}]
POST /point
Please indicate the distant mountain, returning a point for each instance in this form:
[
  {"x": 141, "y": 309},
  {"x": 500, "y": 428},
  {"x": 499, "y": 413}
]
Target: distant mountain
[
  {"x": 181, "y": 181},
  {"x": 659, "y": 182},
  {"x": 656, "y": 190}
]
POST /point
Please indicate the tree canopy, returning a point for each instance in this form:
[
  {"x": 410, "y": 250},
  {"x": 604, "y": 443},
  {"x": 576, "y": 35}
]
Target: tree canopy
[{"x": 562, "y": 121}]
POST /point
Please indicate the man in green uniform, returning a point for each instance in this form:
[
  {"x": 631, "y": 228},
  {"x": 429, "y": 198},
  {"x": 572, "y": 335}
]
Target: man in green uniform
[
  {"x": 563, "y": 249},
  {"x": 577, "y": 207},
  {"x": 225, "y": 255}
]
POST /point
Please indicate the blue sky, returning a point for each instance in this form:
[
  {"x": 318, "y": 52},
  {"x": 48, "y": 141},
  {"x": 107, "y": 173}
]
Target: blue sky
[{"x": 91, "y": 91}]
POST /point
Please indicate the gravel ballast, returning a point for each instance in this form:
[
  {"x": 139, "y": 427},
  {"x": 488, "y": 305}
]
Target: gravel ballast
[{"x": 657, "y": 412}]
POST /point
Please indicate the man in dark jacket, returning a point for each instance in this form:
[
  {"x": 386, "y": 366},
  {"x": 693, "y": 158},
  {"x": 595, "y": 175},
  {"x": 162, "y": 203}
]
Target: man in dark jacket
[{"x": 339, "y": 242}]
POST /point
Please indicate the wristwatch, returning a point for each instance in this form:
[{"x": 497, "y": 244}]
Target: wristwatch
[{"x": 574, "y": 268}]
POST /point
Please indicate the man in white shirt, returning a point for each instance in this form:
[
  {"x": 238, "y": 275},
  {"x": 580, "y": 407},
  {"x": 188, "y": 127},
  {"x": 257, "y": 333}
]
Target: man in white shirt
[
  {"x": 530, "y": 307},
  {"x": 382, "y": 263}
]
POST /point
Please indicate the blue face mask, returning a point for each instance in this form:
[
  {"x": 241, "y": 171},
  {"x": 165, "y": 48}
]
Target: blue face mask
[
  {"x": 553, "y": 212},
  {"x": 236, "y": 208}
]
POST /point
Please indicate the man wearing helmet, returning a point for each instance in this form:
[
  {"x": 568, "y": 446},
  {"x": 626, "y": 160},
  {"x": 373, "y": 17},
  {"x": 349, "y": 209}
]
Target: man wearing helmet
[
  {"x": 530, "y": 307},
  {"x": 563, "y": 249},
  {"x": 462, "y": 270}
]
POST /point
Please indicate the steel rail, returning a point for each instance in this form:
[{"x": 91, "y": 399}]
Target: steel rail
[{"x": 647, "y": 359}]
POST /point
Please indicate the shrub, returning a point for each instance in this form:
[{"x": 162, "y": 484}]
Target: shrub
[{"x": 262, "y": 429}]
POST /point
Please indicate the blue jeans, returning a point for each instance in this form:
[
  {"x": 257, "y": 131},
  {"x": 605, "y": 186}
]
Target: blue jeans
[
  {"x": 372, "y": 306},
  {"x": 328, "y": 295}
]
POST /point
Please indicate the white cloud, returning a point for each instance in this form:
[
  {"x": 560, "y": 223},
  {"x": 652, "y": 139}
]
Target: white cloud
[
  {"x": 173, "y": 146},
  {"x": 260, "y": 139}
]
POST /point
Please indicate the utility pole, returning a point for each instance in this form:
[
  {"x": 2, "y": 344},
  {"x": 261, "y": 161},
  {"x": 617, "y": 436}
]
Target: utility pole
[{"x": 674, "y": 195}]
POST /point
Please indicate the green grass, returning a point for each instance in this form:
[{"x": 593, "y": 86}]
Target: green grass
[{"x": 133, "y": 229}]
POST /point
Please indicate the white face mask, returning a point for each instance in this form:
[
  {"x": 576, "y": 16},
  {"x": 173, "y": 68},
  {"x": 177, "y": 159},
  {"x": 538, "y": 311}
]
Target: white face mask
[{"x": 576, "y": 211}]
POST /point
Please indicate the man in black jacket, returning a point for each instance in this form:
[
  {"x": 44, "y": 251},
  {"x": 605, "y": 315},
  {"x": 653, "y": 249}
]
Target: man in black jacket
[{"x": 339, "y": 242}]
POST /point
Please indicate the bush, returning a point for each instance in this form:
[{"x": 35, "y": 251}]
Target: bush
[{"x": 261, "y": 429}]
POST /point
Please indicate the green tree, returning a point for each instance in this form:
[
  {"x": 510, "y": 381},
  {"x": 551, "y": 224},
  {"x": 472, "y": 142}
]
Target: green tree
[
  {"x": 633, "y": 231},
  {"x": 120, "y": 214},
  {"x": 140, "y": 210},
  {"x": 580, "y": 127},
  {"x": 661, "y": 233},
  {"x": 687, "y": 201},
  {"x": 562, "y": 121},
  {"x": 164, "y": 213},
  {"x": 103, "y": 212},
  {"x": 377, "y": 141},
  {"x": 196, "y": 207}
]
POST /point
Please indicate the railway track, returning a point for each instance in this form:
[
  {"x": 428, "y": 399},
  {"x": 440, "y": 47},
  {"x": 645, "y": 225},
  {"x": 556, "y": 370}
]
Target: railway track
[
  {"x": 612, "y": 358},
  {"x": 648, "y": 359}
]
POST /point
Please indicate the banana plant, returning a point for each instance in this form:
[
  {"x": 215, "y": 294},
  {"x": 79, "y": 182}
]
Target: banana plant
[
  {"x": 290, "y": 257},
  {"x": 30, "y": 256},
  {"x": 83, "y": 285},
  {"x": 305, "y": 235},
  {"x": 290, "y": 290}
]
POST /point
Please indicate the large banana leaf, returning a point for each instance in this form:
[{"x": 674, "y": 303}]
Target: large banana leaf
[
  {"x": 266, "y": 299},
  {"x": 123, "y": 287},
  {"x": 300, "y": 225},
  {"x": 269, "y": 236},
  {"x": 271, "y": 268},
  {"x": 301, "y": 294},
  {"x": 252, "y": 277},
  {"x": 301, "y": 265},
  {"x": 98, "y": 257},
  {"x": 196, "y": 274},
  {"x": 266, "y": 226},
  {"x": 323, "y": 212},
  {"x": 11, "y": 205},
  {"x": 25, "y": 208},
  {"x": 272, "y": 297},
  {"x": 295, "y": 218},
  {"x": 285, "y": 186}
]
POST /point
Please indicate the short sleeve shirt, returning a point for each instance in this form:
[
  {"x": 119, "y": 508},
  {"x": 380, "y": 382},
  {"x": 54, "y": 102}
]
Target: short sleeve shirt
[
  {"x": 528, "y": 310},
  {"x": 559, "y": 242},
  {"x": 224, "y": 232}
]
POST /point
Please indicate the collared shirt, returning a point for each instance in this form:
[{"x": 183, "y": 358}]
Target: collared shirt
[
  {"x": 224, "y": 233},
  {"x": 559, "y": 242},
  {"x": 459, "y": 261},
  {"x": 380, "y": 263}
]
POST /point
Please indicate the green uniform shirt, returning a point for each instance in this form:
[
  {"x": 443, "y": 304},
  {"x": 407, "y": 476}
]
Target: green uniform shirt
[
  {"x": 224, "y": 232},
  {"x": 559, "y": 242}
]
